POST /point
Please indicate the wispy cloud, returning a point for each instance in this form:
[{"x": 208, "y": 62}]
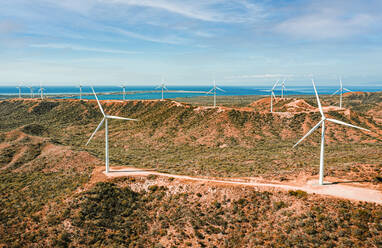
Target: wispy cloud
[
  {"x": 323, "y": 27},
  {"x": 210, "y": 11},
  {"x": 330, "y": 19},
  {"x": 82, "y": 48},
  {"x": 167, "y": 39}
]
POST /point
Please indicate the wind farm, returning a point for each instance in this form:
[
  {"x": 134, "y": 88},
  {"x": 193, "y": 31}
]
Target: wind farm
[
  {"x": 190, "y": 124},
  {"x": 250, "y": 156}
]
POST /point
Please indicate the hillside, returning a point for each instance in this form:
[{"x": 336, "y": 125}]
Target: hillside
[
  {"x": 186, "y": 139},
  {"x": 48, "y": 188}
]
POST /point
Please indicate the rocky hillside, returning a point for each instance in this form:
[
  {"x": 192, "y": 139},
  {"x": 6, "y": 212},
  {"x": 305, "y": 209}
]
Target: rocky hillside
[
  {"x": 182, "y": 138},
  {"x": 49, "y": 197}
]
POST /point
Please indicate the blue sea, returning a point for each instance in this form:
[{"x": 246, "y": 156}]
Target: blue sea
[{"x": 229, "y": 91}]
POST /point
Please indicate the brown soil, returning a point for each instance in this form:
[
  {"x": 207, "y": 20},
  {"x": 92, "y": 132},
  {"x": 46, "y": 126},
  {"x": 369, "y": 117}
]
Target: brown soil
[{"x": 333, "y": 187}]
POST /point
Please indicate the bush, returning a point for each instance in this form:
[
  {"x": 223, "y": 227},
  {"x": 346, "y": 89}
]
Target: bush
[
  {"x": 34, "y": 129},
  {"x": 298, "y": 193},
  {"x": 152, "y": 177},
  {"x": 153, "y": 188},
  {"x": 279, "y": 205}
]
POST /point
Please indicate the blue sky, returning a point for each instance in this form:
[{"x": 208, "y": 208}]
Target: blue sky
[{"x": 190, "y": 42}]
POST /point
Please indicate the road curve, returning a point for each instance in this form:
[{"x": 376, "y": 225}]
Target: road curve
[{"x": 335, "y": 190}]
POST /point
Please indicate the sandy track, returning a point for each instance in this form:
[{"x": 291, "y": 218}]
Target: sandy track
[{"x": 334, "y": 190}]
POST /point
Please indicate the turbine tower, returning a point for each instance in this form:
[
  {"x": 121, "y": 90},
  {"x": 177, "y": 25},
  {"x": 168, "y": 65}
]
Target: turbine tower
[
  {"x": 105, "y": 120},
  {"x": 41, "y": 90},
  {"x": 341, "y": 90},
  {"x": 124, "y": 91},
  {"x": 163, "y": 87},
  {"x": 322, "y": 123},
  {"x": 80, "y": 86},
  {"x": 19, "y": 88},
  {"x": 31, "y": 90},
  {"x": 283, "y": 88},
  {"x": 273, "y": 94},
  {"x": 214, "y": 91}
]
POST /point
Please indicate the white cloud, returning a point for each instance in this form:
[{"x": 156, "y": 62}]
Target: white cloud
[
  {"x": 82, "y": 48},
  {"x": 330, "y": 19},
  {"x": 324, "y": 27},
  {"x": 167, "y": 39}
]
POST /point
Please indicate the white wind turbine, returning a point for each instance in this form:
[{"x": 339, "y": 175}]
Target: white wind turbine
[
  {"x": 31, "y": 90},
  {"x": 273, "y": 94},
  {"x": 214, "y": 91},
  {"x": 41, "y": 90},
  {"x": 322, "y": 123},
  {"x": 124, "y": 91},
  {"x": 341, "y": 90},
  {"x": 163, "y": 87},
  {"x": 104, "y": 120},
  {"x": 283, "y": 88},
  {"x": 19, "y": 88},
  {"x": 80, "y": 86}
]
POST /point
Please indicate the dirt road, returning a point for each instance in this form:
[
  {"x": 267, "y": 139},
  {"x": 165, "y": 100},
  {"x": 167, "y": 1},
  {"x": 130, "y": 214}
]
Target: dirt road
[{"x": 329, "y": 189}]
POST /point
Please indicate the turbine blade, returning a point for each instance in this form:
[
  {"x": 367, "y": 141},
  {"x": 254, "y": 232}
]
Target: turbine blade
[
  {"x": 220, "y": 89},
  {"x": 318, "y": 99},
  {"x": 335, "y": 92},
  {"x": 99, "y": 126},
  {"x": 210, "y": 91},
  {"x": 348, "y": 90},
  {"x": 347, "y": 124},
  {"x": 120, "y": 118},
  {"x": 274, "y": 86},
  {"x": 158, "y": 87},
  {"x": 99, "y": 104},
  {"x": 164, "y": 87},
  {"x": 309, "y": 133}
]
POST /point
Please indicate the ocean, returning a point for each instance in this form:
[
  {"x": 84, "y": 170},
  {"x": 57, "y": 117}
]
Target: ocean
[{"x": 229, "y": 91}]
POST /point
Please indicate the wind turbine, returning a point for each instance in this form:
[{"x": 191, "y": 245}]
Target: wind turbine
[
  {"x": 80, "y": 86},
  {"x": 341, "y": 90},
  {"x": 19, "y": 88},
  {"x": 163, "y": 87},
  {"x": 31, "y": 89},
  {"x": 322, "y": 123},
  {"x": 283, "y": 88},
  {"x": 41, "y": 90},
  {"x": 105, "y": 120},
  {"x": 273, "y": 94},
  {"x": 124, "y": 91},
  {"x": 214, "y": 90}
]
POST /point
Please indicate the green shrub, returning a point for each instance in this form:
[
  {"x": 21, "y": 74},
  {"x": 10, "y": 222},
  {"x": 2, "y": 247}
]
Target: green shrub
[{"x": 298, "y": 193}]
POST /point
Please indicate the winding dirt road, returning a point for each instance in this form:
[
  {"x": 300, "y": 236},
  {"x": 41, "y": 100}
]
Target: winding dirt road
[{"x": 329, "y": 189}]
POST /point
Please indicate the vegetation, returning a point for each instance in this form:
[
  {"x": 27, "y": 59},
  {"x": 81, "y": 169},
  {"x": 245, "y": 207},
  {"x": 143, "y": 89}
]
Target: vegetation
[
  {"x": 48, "y": 199},
  {"x": 113, "y": 216}
]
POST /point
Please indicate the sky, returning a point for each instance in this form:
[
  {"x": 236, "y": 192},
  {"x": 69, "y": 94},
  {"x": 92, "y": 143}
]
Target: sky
[{"x": 190, "y": 42}]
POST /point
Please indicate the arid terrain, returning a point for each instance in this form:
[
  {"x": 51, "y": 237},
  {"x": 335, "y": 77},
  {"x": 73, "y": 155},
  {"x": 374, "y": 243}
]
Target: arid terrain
[{"x": 224, "y": 177}]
